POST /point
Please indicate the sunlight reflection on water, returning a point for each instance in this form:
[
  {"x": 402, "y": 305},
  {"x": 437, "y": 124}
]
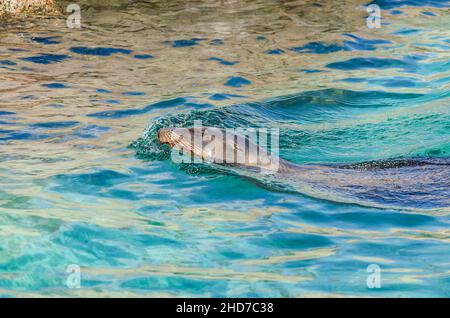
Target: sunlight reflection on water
[{"x": 73, "y": 192}]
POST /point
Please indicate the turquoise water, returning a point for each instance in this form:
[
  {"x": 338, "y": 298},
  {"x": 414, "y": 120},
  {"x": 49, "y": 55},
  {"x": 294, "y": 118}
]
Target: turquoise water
[{"x": 84, "y": 181}]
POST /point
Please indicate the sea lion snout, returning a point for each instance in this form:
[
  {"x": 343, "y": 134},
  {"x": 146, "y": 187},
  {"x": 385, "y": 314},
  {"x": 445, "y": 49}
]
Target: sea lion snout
[
  {"x": 173, "y": 136},
  {"x": 164, "y": 135}
]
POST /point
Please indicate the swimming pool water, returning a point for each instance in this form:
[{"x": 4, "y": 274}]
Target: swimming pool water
[{"x": 84, "y": 181}]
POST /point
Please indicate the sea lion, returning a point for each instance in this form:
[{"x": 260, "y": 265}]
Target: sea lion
[{"x": 418, "y": 183}]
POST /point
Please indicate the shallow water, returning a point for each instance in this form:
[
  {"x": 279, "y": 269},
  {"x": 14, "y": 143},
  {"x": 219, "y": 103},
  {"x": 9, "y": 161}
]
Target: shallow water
[{"x": 84, "y": 181}]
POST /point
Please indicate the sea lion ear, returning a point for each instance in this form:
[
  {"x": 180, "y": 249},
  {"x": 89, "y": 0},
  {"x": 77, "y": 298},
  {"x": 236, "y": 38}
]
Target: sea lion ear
[
  {"x": 237, "y": 148},
  {"x": 211, "y": 133},
  {"x": 207, "y": 138}
]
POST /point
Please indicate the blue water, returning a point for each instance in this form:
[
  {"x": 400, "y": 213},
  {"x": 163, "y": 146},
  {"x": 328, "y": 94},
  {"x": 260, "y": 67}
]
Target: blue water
[{"x": 84, "y": 181}]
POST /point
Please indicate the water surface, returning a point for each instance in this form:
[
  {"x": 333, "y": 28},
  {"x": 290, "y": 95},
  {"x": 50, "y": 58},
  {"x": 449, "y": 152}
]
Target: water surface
[{"x": 84, "y": 181}]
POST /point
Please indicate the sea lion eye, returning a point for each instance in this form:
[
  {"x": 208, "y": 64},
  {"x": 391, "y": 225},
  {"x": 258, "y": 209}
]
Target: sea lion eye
[{"x": 207, "y": 138}]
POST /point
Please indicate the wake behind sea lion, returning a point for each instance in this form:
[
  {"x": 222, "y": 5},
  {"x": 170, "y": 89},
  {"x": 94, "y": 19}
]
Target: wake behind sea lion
[{"x": 418, "y": 183}]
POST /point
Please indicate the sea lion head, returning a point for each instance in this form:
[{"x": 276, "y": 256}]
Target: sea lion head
[{"x": 218, "y": 146}]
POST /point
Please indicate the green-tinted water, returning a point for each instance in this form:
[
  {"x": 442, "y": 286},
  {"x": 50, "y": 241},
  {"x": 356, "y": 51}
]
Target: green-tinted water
[{"x": 73, "y": 191}]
